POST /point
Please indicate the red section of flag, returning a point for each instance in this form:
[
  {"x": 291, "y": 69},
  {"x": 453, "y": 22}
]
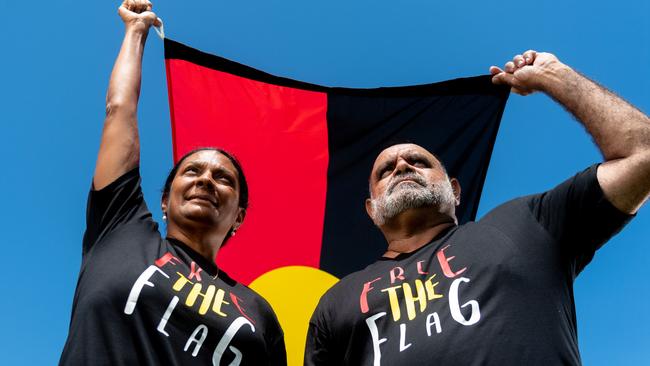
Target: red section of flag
[{"x": 279, "y": 134}]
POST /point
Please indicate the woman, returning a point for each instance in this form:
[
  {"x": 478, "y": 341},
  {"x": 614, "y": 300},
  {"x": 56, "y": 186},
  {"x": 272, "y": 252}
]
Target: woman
[{"x": 146, "y": 300}]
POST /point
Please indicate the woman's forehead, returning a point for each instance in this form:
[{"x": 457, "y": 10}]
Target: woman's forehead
[{"x": 209, "y": 157}]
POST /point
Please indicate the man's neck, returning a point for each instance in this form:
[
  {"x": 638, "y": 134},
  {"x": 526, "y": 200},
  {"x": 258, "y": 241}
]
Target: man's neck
[{"x": 413, "y": 229}]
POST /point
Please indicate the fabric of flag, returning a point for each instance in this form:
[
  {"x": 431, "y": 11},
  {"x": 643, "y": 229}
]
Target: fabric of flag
[{"x": 307, "y": 151}]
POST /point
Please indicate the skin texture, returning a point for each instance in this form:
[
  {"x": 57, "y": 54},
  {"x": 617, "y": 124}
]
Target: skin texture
[
  {"x": 119, "y": 150},
  {"x": 202, "y": 205},
  {"x": 415, "y": 227},
  {"x": 621, "y": 132}
]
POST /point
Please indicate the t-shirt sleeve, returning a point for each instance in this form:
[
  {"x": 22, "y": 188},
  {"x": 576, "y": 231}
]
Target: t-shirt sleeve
[
  {"x": 579, "y": 216},
  {"x": 278, "y": 351},
  {"x": 320, "y": 348},
  {"x": 117, "y": 204}
]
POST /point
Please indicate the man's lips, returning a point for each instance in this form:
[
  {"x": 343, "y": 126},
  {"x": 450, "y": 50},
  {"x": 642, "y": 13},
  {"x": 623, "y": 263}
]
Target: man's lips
[{"x": 404, "y": 180}]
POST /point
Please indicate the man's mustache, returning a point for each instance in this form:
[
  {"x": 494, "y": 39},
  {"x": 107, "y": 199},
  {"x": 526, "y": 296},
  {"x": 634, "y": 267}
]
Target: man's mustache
[{"x": 408, "y": 176}]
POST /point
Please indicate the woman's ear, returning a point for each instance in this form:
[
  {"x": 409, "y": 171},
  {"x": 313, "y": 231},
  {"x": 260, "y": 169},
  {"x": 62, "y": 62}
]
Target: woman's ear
[
  {"x": 164, "y": 202},
  {"x": 240, "y": 218}
]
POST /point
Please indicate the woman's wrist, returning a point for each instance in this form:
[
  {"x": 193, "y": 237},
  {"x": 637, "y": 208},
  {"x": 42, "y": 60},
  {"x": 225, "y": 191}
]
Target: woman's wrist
[{"x": 137, "y": 27}]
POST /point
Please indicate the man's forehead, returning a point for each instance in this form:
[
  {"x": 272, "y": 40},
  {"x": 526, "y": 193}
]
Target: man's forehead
[{"x": 394, "y": 151}]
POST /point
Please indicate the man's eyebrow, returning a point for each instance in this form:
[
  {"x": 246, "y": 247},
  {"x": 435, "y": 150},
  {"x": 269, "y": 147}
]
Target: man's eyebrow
[
  {"x": 422, "y": 156},
  {"x": 383, "y": 166}
]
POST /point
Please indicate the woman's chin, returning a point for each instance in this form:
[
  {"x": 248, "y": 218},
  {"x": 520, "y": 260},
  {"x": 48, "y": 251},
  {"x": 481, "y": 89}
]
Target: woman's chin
[{"x": 202, "y": 215}]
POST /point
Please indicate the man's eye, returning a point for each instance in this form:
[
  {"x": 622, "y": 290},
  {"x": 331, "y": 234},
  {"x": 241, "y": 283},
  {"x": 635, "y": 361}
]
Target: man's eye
[
  {"x": 419, "y": 163},
  {"x": 384, "y": 172}
]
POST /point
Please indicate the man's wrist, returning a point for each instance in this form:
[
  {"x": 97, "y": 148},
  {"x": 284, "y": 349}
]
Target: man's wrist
[{"x": 555, "y": 76}]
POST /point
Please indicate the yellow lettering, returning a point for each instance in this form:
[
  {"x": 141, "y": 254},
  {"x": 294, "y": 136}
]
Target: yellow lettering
[
  {"x": 394, "y": 304},
  {"x": 431, "y": 291},
  {"x": 207, "y": 297},
  {"x": 410, "y": 300},
  {"x": 182, "y": 280},
  {"x": 218, "y": 301}
]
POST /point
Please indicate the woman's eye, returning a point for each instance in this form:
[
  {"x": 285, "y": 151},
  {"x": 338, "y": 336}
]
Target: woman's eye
[
  {"x": 191, "y": 170},
  {"x": 224, "y": 179}
]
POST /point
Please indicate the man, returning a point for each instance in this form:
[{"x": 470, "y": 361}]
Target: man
[{"x": 498, "y": 291}]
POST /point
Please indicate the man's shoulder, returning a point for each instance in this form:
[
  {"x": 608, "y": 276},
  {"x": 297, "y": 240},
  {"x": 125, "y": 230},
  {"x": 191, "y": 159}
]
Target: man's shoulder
[
  {"x": 511, "y": 209},
  {"x": 352, "y": 283}
]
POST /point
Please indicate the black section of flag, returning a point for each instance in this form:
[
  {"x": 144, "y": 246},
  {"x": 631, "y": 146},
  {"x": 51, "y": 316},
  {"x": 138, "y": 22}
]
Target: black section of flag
[{"x": 457, "y": 120}]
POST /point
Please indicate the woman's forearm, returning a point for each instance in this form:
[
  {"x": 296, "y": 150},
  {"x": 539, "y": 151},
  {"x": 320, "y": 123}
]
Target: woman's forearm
[{"x": 119, "y": 151}]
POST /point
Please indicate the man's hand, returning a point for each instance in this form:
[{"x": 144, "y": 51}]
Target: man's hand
[
  {"x": 137, "y": 15},
  {"x": 528, "y": 72},
  {"x": 620, "y": 130}
]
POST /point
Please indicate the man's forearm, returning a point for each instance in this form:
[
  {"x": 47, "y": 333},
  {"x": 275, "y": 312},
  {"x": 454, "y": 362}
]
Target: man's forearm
[{"x": 618, "y": 128}]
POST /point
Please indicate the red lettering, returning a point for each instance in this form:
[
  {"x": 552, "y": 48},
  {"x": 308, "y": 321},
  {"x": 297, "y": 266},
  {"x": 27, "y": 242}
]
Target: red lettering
[
  {"x": 167, "y": 258},
  {"x": 363, "y": 299},
  {"x": 420, "y": 270},
  {"x": 194, "y": 272},
  {"x": 396, "y": 273},
  {"x": 444, "y": 264},
  {"x": 236, "y": 300}
]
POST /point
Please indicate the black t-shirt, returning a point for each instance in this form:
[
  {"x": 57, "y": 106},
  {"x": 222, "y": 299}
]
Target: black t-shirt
[
  {"x": 144, "y": 300},
  {"x": 494, "y": 292}
]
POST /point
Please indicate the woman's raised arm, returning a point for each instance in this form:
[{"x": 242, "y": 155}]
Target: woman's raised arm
[{"x": 119, "y": 151}]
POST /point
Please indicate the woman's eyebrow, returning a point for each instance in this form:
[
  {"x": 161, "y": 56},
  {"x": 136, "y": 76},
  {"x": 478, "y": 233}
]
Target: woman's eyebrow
[{"x": 195, "y": 163}]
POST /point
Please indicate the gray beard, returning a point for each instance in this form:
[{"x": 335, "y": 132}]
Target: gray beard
[{"x": 397, "y": 199}]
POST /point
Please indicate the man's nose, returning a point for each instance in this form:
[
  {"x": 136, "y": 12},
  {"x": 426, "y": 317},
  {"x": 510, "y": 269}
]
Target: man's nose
[{"x": 403, "y": 166}]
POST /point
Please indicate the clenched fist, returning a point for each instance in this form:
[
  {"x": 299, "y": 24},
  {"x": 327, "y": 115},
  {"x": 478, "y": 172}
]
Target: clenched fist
[
  {"x": 528, "y": 72},
  {"x": 137, "y": 15}
]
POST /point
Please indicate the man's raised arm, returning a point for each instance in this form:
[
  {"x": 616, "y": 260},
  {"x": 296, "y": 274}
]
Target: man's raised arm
[{"x": 621, "y": 131}]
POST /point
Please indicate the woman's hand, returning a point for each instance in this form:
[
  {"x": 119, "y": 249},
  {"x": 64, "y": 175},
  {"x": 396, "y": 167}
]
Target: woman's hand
[{"x": 137, "y": 15}]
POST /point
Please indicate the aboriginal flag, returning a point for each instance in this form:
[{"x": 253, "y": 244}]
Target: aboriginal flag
[{"x": 307, "y": 151}]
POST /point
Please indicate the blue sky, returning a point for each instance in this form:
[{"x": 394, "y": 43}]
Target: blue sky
[{"x": 57, "y": 56}]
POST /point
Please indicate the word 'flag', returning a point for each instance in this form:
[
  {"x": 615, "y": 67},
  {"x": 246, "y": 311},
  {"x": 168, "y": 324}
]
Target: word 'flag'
[{"x": 307, "y": 151}]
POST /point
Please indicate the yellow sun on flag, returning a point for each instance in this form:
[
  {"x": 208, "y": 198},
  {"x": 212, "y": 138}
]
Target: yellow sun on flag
[{"x": 294, "y": 292}]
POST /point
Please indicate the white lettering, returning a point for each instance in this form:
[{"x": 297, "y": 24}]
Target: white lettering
[
  {"x": 199, "y": 342},
  {"x": 402, "y": 337},
  {"x": 455, "y": 308},
  {"x": 165, "y": 317},
  {"x": 225, "y": 341},
  {"x": 142, "y": 281},
  {"x": 374, "y": 333},
  {"x": 436, "y": 321}
]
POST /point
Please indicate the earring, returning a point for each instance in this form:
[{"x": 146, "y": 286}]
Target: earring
[
  {"x": 233, "y": 232},
  {"x": 165, "y": 216}
]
